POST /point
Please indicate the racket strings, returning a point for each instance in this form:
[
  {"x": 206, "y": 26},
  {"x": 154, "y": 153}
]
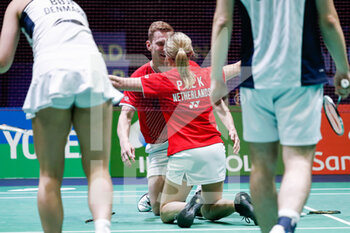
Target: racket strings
[{"x": 333, "y": 116}]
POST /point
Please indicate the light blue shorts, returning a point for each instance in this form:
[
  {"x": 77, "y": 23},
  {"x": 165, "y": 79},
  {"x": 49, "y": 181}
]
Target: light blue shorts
[
  {"x": 85, "y": 99},
  {"x": 198, "y": 166},
  {"x": 289, "y": 115}
]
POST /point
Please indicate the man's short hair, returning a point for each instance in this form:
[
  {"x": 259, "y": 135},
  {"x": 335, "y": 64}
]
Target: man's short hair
[{"x": 159, "y": 26}]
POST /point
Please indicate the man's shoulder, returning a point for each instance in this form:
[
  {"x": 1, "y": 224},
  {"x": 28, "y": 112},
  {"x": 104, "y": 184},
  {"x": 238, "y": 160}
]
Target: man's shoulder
[{"x": 143, "y": 70}]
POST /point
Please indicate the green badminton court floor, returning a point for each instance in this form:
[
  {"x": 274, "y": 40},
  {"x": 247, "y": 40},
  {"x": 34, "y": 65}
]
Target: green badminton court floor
[{"x": 18, "y": 212}]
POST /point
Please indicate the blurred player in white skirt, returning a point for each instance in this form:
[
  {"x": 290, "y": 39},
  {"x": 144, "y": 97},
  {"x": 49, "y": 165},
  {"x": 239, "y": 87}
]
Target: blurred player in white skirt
[{"x": 69, "y": 87}]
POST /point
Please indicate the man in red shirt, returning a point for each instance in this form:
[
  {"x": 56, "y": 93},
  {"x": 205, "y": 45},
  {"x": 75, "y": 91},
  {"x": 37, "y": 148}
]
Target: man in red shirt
[{"x": 152, "y": 122}]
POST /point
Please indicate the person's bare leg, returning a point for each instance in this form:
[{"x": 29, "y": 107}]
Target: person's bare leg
[
  {"x": 214, "y": 206},
  {"x": 93, "y": 127},
  {"x": 51, "y": 128},
  {"x": 296, "y": 182},
  {"x": 262, "y": 183},
  {"x": 155, "y": 188},
  {"x": 173, "y": 200}
]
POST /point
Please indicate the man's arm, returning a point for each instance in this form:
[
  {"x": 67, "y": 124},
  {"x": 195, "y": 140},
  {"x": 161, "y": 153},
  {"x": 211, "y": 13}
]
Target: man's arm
[
  {"x": 226, "y": 118},
  {"x": 220, "y": 40},
  {"x": 9, "y": 36},
  {"x": 232, "y": 70},
  {"x": 333, "y": 37},
  {"x": 124, "y": 123}
]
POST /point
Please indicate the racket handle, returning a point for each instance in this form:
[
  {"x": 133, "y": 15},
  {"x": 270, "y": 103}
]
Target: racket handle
[
  {"x": 344, "y": 83},
  {"x": 339, "y": 99}
]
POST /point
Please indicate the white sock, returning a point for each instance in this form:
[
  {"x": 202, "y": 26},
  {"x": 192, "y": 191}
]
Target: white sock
[
  {"x": 295, "y": 216},
  {"x": 102, "y": 226}
]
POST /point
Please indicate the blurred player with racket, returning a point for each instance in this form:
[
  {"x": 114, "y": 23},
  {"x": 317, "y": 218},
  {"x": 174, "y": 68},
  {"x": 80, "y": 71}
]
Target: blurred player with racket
[
  {"x": 152, "y": 122},
  {"x": 196, "y": 151},
  {"x": 283, "y": 75},
  {"x": 69, "y": 87}
]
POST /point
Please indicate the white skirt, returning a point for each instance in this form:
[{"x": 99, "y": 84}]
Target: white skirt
[
  {"x": 198, "y": 166},
  {"x": 55, "y": 76}
]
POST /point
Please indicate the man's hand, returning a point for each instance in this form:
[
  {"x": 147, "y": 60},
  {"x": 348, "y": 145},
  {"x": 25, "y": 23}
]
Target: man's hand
[
  {"x": 127, "y": 153},
  {"x": 235, "y": 139},
  {"x": 339, "y": 89}
]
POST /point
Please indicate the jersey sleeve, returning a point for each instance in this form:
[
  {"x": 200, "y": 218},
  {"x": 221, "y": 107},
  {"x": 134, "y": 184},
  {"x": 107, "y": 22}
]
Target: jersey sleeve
[
  {"x": 153, "y": 85},
  {"x": 135, "y": 99},
  {"x": 130, "y": 99}
]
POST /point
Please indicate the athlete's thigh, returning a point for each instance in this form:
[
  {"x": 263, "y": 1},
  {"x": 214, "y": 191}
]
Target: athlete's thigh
[
  {"x": 174, "y": 192},
  {"x": 155, "y": 187},
  {"x": 51, "y": 127},
  {"x": 211, "y": 193},
  {"x": 294, "y": 156},
  {"x": 93, "y": 127}
]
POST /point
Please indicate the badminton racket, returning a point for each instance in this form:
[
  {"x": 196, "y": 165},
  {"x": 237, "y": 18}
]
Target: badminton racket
[
  {"x": 325, "y": 212},
  {"x": 332, "y": 113},
  {"x": 5, "y": 127}
]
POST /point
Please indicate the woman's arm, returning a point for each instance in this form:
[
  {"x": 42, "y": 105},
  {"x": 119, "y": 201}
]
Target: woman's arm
[
  {"x": 225, "y": 116},
  {"x": 9, "y": 37},
  {"x": 126, "y": 84}
]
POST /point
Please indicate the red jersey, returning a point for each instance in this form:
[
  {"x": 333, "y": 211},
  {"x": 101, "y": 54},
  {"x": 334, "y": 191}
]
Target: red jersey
[
  {"x": 188, "y": 112},
  {"x": 152, "y": 122}
]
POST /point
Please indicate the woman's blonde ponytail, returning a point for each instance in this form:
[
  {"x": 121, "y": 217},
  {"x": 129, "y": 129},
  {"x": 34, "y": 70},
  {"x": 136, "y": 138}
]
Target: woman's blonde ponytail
[{"x": 179, "y": 48}]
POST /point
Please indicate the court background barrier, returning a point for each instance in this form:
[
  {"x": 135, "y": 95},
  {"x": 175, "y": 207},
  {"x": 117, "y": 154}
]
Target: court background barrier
[{"x": 18, "y": 159}]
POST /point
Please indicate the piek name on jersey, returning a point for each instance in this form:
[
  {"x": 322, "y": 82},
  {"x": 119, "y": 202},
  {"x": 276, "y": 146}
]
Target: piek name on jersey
[{"x": 191, "y": 94}]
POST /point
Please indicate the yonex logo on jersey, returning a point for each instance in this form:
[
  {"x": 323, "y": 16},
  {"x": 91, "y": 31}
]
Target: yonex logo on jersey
[
  {"x": 126, "y": 98},
  {"x": 194, "y": 104}
]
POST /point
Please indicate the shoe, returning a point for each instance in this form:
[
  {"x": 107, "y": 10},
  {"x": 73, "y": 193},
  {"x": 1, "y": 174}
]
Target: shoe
[
  {"x": 144, "y": 204},
  {"x": 199, "y": 193},
  {"x": 277, "y": 229},
  {"x": 186, "y": 216},
  {"x": 284, "y": 225},
  {"x": 244, "y": 207}
]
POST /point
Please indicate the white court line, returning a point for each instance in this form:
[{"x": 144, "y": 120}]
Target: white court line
[
  {"x": 327, "y": 189},
  {"x": 145, "y": 190},
  {"x": 133, "y": 196},
  {"x": 329, "y": 216},
  {"x": 73, "y": 197},
  {"x": 325, "y": 194},
  {"x": 71, "y": 192},
  {"x": 202, "y": 229}
]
